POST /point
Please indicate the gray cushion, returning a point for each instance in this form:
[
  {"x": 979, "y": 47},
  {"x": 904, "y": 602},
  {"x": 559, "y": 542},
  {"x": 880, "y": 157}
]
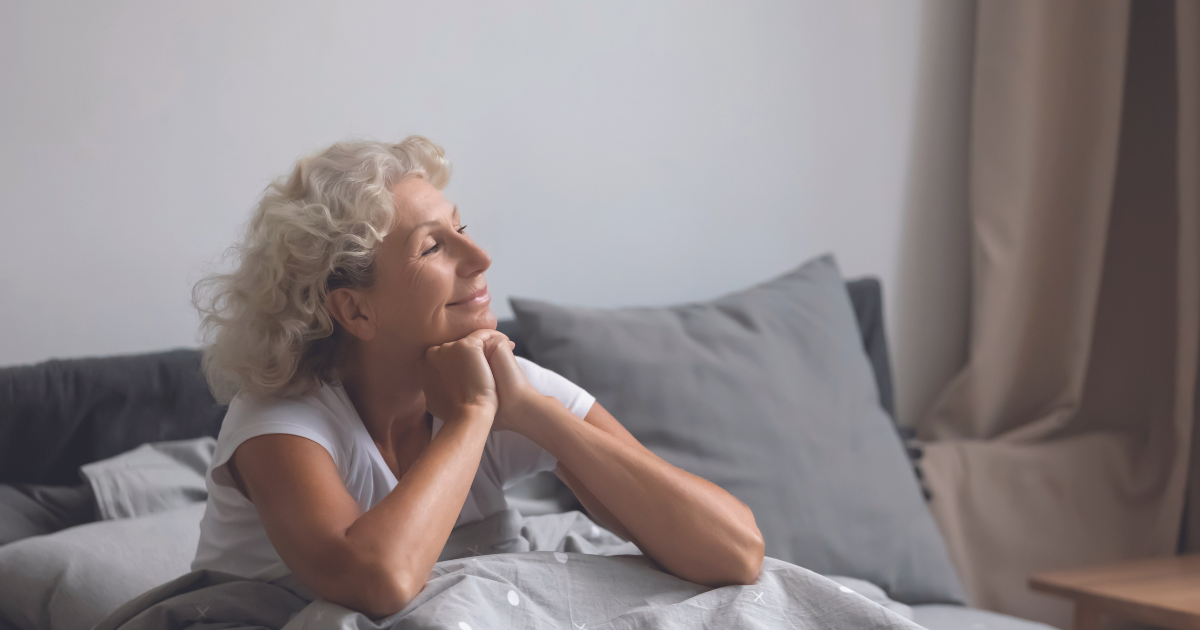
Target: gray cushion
[
  {"x": 76, "y": 577},
  {"x": 58, "y": 415},
  {"x": 767, "y": 393},
  {"x": 155, "y": 477}
]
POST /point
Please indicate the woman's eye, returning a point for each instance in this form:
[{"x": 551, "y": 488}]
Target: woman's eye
[{"x": 437, "y": 246}]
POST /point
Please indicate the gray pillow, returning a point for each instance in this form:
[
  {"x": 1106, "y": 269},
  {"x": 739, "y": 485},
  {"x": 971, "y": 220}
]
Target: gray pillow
[
  {"x": 73, "y": 579},
  {"x": 768, "y": 394},
  {"x": 155, "y": 477}
]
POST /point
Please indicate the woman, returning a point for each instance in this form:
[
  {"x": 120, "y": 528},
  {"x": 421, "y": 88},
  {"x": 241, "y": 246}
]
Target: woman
[{"x": 374, "y": 407}]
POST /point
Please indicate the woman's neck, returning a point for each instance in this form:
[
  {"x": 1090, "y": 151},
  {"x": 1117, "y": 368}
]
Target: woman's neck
[{"x": 385, "y": 390}]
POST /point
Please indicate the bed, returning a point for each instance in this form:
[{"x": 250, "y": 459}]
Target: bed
[{"x": 102, "y": 463}]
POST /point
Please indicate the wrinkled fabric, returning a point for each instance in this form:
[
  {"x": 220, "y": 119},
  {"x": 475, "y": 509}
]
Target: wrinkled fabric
[{"x": 555, "y": 571}]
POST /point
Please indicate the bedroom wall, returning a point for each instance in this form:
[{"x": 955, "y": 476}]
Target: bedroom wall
[{"x": 607, "y": 154}]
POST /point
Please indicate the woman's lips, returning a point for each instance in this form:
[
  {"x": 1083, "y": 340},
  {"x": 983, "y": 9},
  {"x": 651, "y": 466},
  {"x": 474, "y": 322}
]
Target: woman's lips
[{"x": 479, "y": 297}]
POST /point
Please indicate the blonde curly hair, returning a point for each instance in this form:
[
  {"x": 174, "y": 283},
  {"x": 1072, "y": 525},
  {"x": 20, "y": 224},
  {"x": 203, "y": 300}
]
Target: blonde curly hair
[{"x": 266, "y": 325}]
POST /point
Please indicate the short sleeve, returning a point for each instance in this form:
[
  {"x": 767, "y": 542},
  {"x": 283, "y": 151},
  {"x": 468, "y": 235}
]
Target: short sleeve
[
  {"x": 518, "y": 456},
  {"x": 250, "y": 418}
]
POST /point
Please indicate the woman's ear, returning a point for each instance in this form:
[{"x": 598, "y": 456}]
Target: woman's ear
[{"x": 352, "y": 310}]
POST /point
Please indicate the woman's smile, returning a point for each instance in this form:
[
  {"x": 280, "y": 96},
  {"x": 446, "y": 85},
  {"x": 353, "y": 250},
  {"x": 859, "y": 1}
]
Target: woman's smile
[{"x": 477, "y": 298}]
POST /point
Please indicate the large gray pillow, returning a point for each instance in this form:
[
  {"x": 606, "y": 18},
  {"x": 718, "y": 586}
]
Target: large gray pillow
[
  {"x": 73, "y": 579},
  {"x": 768, "y": 394}
]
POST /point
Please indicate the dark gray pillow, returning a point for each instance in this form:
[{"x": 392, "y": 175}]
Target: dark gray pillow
[{"x": 767, "y": 393}]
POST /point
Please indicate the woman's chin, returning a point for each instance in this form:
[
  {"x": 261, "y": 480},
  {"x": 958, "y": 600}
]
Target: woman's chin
[
  {"x": 485, "y": 318},
  {"x": 455, "y": 328}
]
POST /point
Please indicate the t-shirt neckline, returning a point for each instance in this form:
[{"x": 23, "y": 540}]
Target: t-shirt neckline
[{"x": 372, "y": 448}]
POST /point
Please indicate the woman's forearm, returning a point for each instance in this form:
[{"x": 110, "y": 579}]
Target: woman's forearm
[
  {"x": 693, "y": 528},
  {"x": 403, "y": 535}
]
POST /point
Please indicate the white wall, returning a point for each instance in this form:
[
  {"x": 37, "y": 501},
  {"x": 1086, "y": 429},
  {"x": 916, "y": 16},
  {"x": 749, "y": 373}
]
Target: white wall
[{"x": 606, "y": 154}]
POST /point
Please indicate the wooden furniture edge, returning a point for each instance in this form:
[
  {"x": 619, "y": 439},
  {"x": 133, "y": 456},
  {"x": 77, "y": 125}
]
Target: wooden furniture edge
[
  {"x": 1125, "y": 609},
  {"x": 1042, "y": 584}
]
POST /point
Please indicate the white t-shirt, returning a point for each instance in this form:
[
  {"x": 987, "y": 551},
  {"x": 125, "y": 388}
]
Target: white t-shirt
[{"x": 232, "y": 538}]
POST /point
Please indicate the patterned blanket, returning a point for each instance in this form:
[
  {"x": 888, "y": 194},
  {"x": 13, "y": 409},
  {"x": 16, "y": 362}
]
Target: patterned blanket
[{"x": 557, "y": 571}]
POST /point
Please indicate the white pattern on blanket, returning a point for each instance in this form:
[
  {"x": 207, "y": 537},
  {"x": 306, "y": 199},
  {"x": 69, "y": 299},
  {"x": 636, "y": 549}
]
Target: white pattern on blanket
[{"x": 553, "y": 571}]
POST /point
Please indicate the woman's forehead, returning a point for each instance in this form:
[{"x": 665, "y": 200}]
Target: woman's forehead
[{"x": 420, "y": 205}]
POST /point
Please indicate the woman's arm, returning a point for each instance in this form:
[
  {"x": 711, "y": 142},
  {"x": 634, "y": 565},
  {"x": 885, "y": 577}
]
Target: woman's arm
[
  {"x": 691, "y": 527},
  {"x": 376, "y": 562},
  {"x": 599, "y": 417}
]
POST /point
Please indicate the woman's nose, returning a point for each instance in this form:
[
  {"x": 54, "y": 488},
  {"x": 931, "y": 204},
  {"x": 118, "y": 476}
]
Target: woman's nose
[{"x": 474, "y": 260}]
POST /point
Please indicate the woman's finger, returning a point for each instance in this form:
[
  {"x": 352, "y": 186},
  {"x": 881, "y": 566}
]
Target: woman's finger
[
  {"x": 493, "y": 341},
  {"x": 505, "y": 368},
  {"x": 484, "y": 334}
]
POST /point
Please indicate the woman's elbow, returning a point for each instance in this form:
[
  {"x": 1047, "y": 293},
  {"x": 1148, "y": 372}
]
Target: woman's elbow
[
  {"x": 380, "y": 592},
  {"x": 750, "y": 561},
  {"x": 750, "y": 570},
  {"x": 399, "y": 589},
  {"x": 739, "y": 565},
  {"x": 743, "y": 572}
]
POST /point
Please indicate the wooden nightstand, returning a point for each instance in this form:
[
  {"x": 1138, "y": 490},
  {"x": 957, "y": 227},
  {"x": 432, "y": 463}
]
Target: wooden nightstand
[{"x": 1159, "y": 591}]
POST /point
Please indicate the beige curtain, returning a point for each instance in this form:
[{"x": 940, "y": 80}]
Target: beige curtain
[{"x": 1065, "y": 441}]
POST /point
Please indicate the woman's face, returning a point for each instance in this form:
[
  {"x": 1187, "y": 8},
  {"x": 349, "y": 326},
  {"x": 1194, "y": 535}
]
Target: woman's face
[{"x": 429, "y": 286}]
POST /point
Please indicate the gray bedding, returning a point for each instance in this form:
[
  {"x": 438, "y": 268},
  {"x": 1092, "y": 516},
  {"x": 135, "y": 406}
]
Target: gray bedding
[
  {"x": 553, "y": 571},
  {"x": 943, "y": 617},
  {"x": 553, "y": 564}
]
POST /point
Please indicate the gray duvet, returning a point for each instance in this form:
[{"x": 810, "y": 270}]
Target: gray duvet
[{"x": 555, "y": 571}]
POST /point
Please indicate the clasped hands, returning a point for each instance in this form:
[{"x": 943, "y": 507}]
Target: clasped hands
[{"x": 477, "y": 376}]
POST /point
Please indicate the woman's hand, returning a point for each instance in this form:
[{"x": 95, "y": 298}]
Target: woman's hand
[
  {"x": 513, "y": 389},
  {"x": 457, "y": 379}
]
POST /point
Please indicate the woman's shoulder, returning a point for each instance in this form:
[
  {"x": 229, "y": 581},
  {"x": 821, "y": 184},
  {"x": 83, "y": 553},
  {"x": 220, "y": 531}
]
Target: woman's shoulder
[
  {"x": 326, "y": 405},
  {"x": 325, "y": 416}
]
